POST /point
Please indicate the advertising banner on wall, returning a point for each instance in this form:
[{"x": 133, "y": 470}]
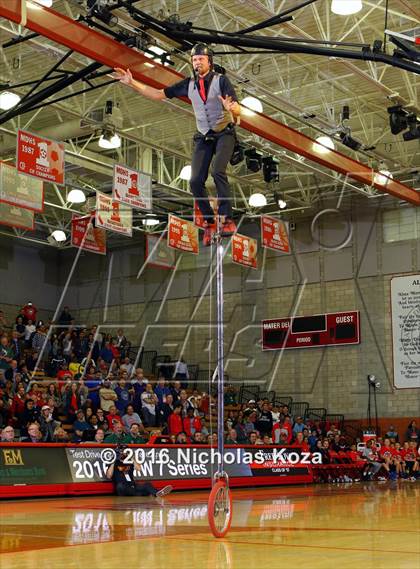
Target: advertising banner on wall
[
  {"x": 86, "y": 236},
  {"x": 87, "y": 465},
  {"x": 405, "y": 315},
  {"x": 18, "y": 189},
  {"x": 182, "y": 235},
  {"x": 132, "y": 187},
  {"x": 158, "y": 253},
  {"x": 14, "y": 216},
  {"x": 113, "y": 215},
  {"x": 40, "y": 157},
  {"x": 244, "y": 251},
  {"x": 275, "y": 234}
]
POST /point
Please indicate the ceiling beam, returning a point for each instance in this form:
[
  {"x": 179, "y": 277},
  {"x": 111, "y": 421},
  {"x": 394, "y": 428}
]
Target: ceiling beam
[{"x": 101, "y": 48}]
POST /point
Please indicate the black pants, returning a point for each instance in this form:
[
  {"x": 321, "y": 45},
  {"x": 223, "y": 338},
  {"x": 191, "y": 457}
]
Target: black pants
[
  {"x": 145, "y": 489},
  {"x": 203, "y": 152}
]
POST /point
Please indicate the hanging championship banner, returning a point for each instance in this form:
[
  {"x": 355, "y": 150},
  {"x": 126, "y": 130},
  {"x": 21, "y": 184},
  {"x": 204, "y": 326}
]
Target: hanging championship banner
[
  {"x": 18, "y": 189},
  {"x": 112, "y": 215},
  {"x": 40, "y": 157},
  {"x": 182, "y": 235},
  {"x": 132, "y": 187},
  {"x": 158, "y": 254},
  {"x": 84, "y": 235},
  {"x": 275, "y": 234},
  {"x": 14, "y": 216},
  {"x": 244, "y": 250}
]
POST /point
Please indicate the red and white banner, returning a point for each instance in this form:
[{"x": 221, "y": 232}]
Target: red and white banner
[
  {"x": 158, "y": 253},
  {"x": 132, "y": 187},
  {"x": 14, "y": 216},
  {"x": 244, "y": 250},
  {"x": 182, "y": 235},
  {"x": 18, "y": 189},
  {"x": 113, "y": 215},
  {"x": 84, "y": 235},
  {"x": 275, "y": 234},
  {"x": 40, "y": 157}
]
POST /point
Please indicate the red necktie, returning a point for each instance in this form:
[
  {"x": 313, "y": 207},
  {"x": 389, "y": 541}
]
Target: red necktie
[{"x": 202, "y": 89}]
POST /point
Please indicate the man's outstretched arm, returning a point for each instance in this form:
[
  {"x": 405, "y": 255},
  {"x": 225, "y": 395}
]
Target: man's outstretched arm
[{"x": 126, "y": 78}]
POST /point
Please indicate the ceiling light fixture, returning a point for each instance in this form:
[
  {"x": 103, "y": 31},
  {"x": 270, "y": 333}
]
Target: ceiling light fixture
[
  {"x": 257, "y": 200},
  {"x": 76, "y": 196},
  {"x": 59, "y": 235},
  {"x": 158, "y": 54},
  {"x": 323, "y": 145},
  {"x": 252, "y": 105},
  {"x": 8, "y": 100},
  {"x": 382, "y": 177},
  {"x": 185, "y": 173},
  {"x": 346, "y": 7},
  {"x": 150, "y": 221},
  {"x": 280, "y": 201},
  {"x": 109, "y": 141}
]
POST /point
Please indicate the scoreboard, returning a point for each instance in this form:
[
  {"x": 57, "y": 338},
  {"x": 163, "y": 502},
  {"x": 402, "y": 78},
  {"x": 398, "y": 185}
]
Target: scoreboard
[{"x": 331, "y": 329}]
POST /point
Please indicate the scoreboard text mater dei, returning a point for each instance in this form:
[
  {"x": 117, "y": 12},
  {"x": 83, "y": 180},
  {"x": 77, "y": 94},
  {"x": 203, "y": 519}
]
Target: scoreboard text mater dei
[{"x": 333, "y": 329}]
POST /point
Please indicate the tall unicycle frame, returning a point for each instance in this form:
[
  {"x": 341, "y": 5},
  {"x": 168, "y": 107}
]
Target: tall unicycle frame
[{"x": 220, "y": 499}]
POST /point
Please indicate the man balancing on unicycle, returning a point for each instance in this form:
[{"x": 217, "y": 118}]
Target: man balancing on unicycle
[{"x": 216, "y": 110}]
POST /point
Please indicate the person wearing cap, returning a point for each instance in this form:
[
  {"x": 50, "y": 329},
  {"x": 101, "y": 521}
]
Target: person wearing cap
[
  {"x": 28, "y": 312},
  {"x": 216, "y": 110},
  {"x": 47, "y": 424}
]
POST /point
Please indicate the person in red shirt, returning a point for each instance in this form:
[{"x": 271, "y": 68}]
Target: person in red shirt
[
  {"x": 18, "y": 406},
  {"x": 175, "y": 425},
  {"x": 29, "y": 312},
  {"x": 409, "y": 453},
  {"x": 113, "y": 416},
  {"x": 388, "y": 455},
  {"x": 191, "y": 423},
  {"x": 299, "y": 442},
  {"x": 37, "y": 395}
]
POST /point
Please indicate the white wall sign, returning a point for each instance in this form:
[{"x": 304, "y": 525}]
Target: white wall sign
[{"x": 405, "y": 312}]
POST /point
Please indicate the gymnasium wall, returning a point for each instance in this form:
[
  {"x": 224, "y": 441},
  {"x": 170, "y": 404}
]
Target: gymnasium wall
[
  {"x": 28, "y": 273},
  {"x": 169, "y": 310}
]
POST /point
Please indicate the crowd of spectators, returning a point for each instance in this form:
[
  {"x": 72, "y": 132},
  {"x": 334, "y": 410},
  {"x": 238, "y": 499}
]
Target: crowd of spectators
[{"x": 95, "y": 394}]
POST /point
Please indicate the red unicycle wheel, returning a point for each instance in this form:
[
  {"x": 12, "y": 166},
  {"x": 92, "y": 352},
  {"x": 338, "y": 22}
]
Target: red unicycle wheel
[{"x": 220, "y": 508}]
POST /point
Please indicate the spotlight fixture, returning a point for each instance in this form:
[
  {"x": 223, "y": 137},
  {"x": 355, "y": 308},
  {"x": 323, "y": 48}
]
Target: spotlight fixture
[
  {"x": 185, "y": 173},
  {"x": 8, "y": 100},
  {"x": 280, "y": 201},
  {"x": 323, "y": 145},
  {"x": 59, "y": 236},
  {"x": 345, "y": 113},
  {"x": 397, "y": 119},
  {"x": 109, "y": 140},
  {"x": 253, "y": 159},
  {"x": 251, "y": 106},
  {"x": 237, "y": 154},
  {"x": 257, "y": 200},
  {"x": 346, "y": 7},
  {"x": 270, "y": 169},
  {"x": 413, "y": 129},
  {"x": 373, "y": 381},
  {"x": 100, "y": 9},
  {"x": 349, "y": 141},
  {"x": 76, "y": 196}
]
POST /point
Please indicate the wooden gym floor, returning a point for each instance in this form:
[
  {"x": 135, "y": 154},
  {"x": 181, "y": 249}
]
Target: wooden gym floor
[{"x": 326, "y": 526}]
